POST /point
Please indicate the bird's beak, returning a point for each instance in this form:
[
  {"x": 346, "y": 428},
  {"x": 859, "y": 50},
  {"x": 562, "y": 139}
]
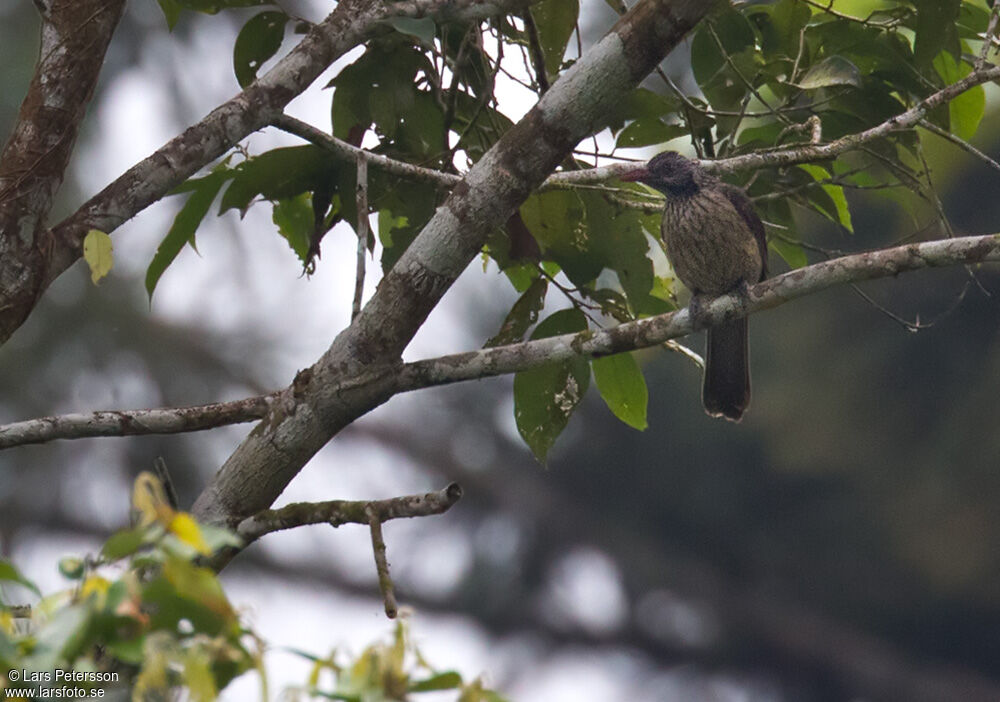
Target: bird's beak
[{"x": 635, "y": 176}]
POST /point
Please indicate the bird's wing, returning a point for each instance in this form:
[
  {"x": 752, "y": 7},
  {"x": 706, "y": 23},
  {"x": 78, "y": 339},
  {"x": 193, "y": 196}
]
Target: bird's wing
[{"x": 741, "y": 203}]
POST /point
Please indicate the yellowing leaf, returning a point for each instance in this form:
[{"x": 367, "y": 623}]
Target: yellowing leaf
[
  {"x": 97, "y": 254},
  {"x": 95, "y": 585},
  {"x": 198, "y": 676},
  {"x": 149, "y": 500},
  {"x": 185, "y": 528},
  {"x": 198, "y": 584},
  {"x": 7, "y": 622}
]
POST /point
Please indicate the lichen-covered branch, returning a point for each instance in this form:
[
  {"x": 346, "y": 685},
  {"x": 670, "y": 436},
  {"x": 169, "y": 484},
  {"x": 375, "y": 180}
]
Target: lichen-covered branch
[
  {"x": 337, "y": 512},
  {"x": 352, "y": 22},
  {"x": 393, "y": 378},
  {"x": 74, "y": 39},
  {"x": 167, "y": 420},
  {"x": 576, "y": 105},
  {"x": 656, "y": 330}
]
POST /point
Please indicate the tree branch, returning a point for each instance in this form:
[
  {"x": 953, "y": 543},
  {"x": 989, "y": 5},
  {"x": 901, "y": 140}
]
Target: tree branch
[
  {"x": 806, "y": 153},
  {"x": 337, "y": 512},
  {"x": 74, "y": 40},
  {"x": 348, "y": 152},
  {"x": 501, "y": 360},
  {"x": 576, "y": 106},
  {"x": 166, "y": 420},
  {"x": 351, "y": 23},
  {"x": 589, "y": 176},
  {"x": 656, "y": 330}
]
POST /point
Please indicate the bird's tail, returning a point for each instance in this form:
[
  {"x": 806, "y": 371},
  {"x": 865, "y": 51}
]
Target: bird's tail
[{"x": 726, "y": 392}]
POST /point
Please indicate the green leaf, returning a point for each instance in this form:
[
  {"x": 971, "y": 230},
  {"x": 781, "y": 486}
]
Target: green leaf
[
  {"x": 973, "y": 20},
  {"x": 171, "y": 11},
  {"x": 423, "y": 28},
  {"x": 780, "y": 26},
  {"x": 620, "y": 382},
  {"x": 258, "y": 41},
  {"x": 555, "y": 20},
  {"x": 380, "y": 87},
  {"x": 841, "y": 213},
  {"x": 936, "y": 28},
  {"x": 218, "y": 538},
  {"x": 276, "y": 175},
  {"x": 97, "y": 252},
  {"x": 791, "y": 253},
  {"x": 965, "y": 111},
  {"x": 641, "y": 103},
  {"x": 556, "y": 218},
  {"x": 835, "y": 70},
  {"x": 449, "y": 680},
  {"x": 480, "y": 126},
  {"x": 645, "y": 132},
  {"x": 720, "y": 84},
  {"x": 545, "y": 397},
  {"x": 124, "y": 543},
  {"x": 185, "y": 224},
  {"x": 522, "y": 315},
  {"x": 386, "y": 223},
  {"x": 296, "y": 223},
  {"x": 62, "y": 637},
  {"x": 10, "y": 573},
  {"x": 409, "y": 204},
  {"x": 72, "y": 567}
]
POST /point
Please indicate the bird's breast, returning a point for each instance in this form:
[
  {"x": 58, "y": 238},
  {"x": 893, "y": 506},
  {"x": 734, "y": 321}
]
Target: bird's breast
[{"x": 709, "y": 245}]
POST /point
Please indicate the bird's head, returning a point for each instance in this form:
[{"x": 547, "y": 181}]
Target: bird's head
[{"x": 669, "y": 172}]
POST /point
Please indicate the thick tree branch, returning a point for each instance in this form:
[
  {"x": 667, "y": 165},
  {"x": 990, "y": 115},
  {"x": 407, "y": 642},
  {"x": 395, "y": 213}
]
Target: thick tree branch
[
  {"x": 351, "y": 23},
  {"x": 575, "y": 106},
  {"x": 656, "y": 330},
  {"x": 74, "y": 38},
  {"x": 473, "y": 365},
  {"x": 337, "y": 512}
]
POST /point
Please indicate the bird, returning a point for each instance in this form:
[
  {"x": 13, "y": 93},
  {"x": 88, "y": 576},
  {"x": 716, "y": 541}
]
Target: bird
[{"x": 716, "y": 243}]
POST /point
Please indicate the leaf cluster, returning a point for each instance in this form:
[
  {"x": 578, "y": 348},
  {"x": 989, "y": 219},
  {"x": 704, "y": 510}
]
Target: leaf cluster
[
  {"x": 143, "y": 614},
  {"x": 769, "y": 75}
]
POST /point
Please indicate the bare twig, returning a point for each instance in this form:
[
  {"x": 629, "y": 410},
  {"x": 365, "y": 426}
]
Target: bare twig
[
  {"x": 915, "y": 325},
  {"x": 960, "y": 143},
  {"x": 370, "y": 512},
  {"x": 988, "y": 38},
  {"x": 810, "y": 152},
  {"x": 338, "y": 512},
  {"x": 748, "y": 84},
  {"x": 536, "y": 53},
  {"x": 345, "y": 151},
  {"x": 385, "y": 585},
  {"x": 362, "y": 202},
  {"x": 160, "y": 468},
  {"x": 167, "y": 420}
]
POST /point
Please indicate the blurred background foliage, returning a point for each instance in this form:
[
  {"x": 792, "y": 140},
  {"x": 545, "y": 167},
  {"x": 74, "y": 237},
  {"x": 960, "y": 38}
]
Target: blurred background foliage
[{"x": 858, "y": 497}]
